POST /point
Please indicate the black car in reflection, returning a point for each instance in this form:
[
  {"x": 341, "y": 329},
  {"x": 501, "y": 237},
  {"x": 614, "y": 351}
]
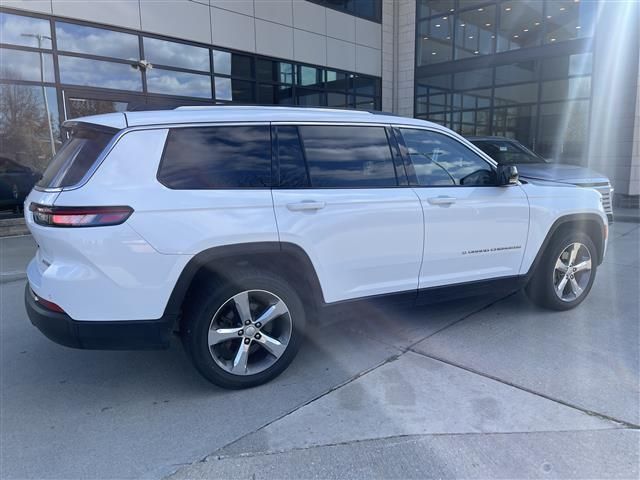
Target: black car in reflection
[{"x": 16, "y": 181}]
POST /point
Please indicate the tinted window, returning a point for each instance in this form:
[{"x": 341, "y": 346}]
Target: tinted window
[
  {"x": 440, "y": 160},
  {"x": 217, "y": 157},
  {"x": 75, "y": 158},
  {"x": 348, "y": 157},
  {"x": 293, "y": 172}
]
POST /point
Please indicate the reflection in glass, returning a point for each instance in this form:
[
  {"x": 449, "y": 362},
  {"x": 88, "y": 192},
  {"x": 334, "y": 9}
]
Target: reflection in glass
[
  {"x": 96, "y": 41},
  {"x": 96, "y": 73},
  {"x": 222, "y": 62},
  {"x": 516, "y": 72},
  {"x": 562, "y": 134},
  {"x": 435, "y": 42},
  {"x": 338, "y": 100},
  {"x": 178, "y": 83},
  {"x": 19, "y": 30},
  {"x": 242, "y": 91},
  {"x": 225, "y": 63},
  {"x": 517, "y": 122},
  {"x": 175, "y": 54},
  {"x": 475, "y": 32},
  {"x": 561, "y": 67},
  {"x": 348, "y": 156},
  {"x": 274, "y": 95},
  {"x": 22, "y": 65},
  {"x": 429, "y": 8},
  {"x": 520, "y": 25},
  {"x": 514, "y": 94},
  {"x": 568, "y": 19},
  {"x": 577, "y": 87},
  {"x": 310, "y": 98},
  {"x": 24, "y": 127},
  {"x": 82, "y": 107},
  {"x": 473, "y": 79},
  {"x": 287, "y": 73},
  {"x": 223, "y": 88},
  {"x": 310, "y": 76}
]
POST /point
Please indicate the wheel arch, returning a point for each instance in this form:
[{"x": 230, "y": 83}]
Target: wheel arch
[
  {"x": 285, "y": 259},
  {"x": 589, "y": 223}
]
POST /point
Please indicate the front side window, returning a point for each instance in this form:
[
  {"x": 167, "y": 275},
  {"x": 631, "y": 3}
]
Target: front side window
[
  {"x": 440, "y": 160},
  {"x": 201, "y": 158},
  {"x": 348, "y": 156}
]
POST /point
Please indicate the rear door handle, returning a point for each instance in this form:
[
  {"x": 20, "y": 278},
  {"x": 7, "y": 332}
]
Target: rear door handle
[
  {"x": 305, "y": 205},
  {"x": 441, "y": 200}
]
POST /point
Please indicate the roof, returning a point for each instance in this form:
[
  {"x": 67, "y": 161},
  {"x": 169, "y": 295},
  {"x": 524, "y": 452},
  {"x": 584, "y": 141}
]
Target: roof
[{"x": 233, "y": 113}]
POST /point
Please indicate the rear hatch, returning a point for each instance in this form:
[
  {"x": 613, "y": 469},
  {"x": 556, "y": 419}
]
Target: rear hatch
[{"x": 70, "y": 168}]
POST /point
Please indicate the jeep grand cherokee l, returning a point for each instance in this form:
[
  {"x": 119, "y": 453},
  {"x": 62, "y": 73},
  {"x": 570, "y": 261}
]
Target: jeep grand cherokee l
[{"x": 233, "y": 225}]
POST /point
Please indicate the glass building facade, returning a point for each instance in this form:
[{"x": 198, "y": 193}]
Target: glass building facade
[
  {"x": 52, "y": 69},
  {"x": 509, "y": 68}
]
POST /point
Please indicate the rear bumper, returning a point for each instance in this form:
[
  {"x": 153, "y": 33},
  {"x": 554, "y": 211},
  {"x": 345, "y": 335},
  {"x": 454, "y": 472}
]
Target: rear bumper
[{"x": 98, "y": 335}]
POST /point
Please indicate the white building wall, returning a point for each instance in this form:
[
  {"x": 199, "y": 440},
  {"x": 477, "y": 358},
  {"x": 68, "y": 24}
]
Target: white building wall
[
  {"x": 398, "y": 56},
  {"x": 289, "y": 29}
]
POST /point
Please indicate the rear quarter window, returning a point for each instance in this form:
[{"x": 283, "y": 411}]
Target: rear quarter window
[
  {"x": 200, "y": 158},
  {"x": 76, "y": 157}
]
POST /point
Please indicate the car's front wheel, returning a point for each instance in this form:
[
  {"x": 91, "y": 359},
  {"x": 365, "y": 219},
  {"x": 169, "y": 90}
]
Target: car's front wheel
[
  {"x": 565, "y": 273},
  {"x": 245, "y": 331}
]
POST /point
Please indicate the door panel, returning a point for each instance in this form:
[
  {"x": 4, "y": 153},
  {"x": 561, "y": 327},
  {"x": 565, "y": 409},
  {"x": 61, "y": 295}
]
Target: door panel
[
  {"x": 474, "y": 229},
  {"x": 477, "y": 233},
  {"x": 362, "y": 242}
]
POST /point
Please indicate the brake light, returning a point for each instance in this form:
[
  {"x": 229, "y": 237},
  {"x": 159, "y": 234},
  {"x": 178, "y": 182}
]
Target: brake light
[{"x": 52, "y": 216}]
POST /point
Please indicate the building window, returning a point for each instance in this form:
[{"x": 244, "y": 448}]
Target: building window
[
  {"x": 457, "y": 29},
  {"x": 54, "y": 69},
  {"x": 368, "y": 9}
]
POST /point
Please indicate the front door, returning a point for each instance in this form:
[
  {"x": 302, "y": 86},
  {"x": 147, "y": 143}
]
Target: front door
[
  {"x": 344, "y": 207},
  {"x": 474, "y": 229}
]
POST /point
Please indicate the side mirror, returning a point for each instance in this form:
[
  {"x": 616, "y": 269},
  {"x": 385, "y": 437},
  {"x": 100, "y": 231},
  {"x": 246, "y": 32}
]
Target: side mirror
[{"x": 507, "y": 175}]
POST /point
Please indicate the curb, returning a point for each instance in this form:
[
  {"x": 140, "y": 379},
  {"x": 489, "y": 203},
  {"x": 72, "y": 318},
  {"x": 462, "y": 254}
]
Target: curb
[{"x": 12, "y": 277}]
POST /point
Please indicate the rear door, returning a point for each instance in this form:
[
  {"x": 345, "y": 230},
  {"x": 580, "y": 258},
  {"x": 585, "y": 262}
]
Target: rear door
[
  {"x": 474, "y": 229},
  {"x": 343, "y": 198}
]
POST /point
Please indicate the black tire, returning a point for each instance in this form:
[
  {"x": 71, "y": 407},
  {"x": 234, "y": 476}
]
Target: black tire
[
  {"x": 209, "y": 297},
  {"x": 541, "y": 289}
]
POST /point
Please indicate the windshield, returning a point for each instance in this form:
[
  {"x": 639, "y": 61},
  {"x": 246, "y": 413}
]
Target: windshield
[
  {"x": 508, "y": 152},
  {"x": 76, "y": 157}
]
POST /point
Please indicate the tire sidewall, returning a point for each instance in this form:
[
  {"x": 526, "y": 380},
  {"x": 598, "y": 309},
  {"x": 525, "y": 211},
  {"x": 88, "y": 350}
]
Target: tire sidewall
[{"x": 210, "y": 298}]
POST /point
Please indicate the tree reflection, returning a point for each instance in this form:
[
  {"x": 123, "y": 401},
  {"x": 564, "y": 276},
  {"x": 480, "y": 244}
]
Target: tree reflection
[{"x": 24, "y": 129}]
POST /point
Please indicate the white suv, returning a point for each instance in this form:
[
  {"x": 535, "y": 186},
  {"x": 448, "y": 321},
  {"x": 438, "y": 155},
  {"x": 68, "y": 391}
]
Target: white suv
[{"x": 232, "y": 225}]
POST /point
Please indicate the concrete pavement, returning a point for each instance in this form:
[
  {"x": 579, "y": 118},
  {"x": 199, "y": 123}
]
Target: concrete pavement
[{"x": 487, "y": 387}]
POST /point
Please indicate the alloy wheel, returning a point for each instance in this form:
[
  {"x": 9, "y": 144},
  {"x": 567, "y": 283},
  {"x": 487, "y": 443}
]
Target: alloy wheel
[
  {"x": 572, "y": 272},
  {"x": 250, "y": 332}
]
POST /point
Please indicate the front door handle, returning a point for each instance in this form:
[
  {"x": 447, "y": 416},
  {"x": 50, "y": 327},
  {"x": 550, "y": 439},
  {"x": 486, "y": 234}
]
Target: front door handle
[
  {"x": 441, "y": 200},
  {"x": 305, "y": 205}
]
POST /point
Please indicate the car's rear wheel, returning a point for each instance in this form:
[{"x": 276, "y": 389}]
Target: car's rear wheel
[
  {"x": 566, "y": 272},
  {"x": 245, "y": 331}
]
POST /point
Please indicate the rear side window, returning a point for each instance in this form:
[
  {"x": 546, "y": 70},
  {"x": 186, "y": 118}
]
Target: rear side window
[
  {"x": 348, "y": 156},
  {"x": 198, "y": 158},
  {"x": 76, "y": 157}
]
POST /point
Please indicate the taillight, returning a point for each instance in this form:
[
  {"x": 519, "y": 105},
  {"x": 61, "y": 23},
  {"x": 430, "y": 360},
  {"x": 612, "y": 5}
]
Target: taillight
[{"x": 52, "y": 216}]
